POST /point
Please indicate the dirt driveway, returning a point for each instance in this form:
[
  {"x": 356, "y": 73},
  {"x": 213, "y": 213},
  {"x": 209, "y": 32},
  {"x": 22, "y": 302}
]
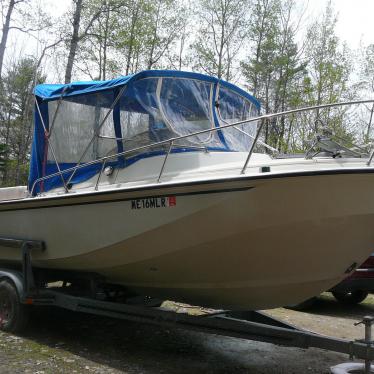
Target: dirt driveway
[{"x": 64, "y": 342}]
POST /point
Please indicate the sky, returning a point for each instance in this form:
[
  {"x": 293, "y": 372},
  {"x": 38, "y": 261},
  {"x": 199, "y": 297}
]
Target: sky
[
  {"x": 355, "y": 19},
  {"x": 355, "y": 23}
]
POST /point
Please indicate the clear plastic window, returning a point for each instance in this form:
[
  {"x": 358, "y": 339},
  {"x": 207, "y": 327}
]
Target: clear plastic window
[
  {"x": 186, "y": 104},
  {"x": 232, "y": 108},
  {"x": 151, "y": 110},
  {"x": 74, "y": 126}
]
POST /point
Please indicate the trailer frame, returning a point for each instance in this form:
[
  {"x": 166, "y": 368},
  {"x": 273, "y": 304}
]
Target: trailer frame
[{"x": 248, "y": 325}]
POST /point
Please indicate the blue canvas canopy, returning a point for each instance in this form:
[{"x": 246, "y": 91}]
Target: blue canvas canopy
[{"x": 84, "y": 121}]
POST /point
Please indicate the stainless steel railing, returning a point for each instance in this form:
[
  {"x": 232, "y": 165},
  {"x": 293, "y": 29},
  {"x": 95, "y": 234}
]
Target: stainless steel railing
[{"x": 171, "y": 143}]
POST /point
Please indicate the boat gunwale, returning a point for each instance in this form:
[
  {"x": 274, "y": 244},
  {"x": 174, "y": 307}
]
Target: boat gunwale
[{"x": 104, "y": 196}]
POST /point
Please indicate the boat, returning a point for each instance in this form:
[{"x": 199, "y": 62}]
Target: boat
[{"x": 156, "y": 183}]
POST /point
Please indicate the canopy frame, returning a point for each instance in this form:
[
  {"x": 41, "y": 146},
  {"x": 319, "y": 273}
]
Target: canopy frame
[{"x": 47, "y": 93}]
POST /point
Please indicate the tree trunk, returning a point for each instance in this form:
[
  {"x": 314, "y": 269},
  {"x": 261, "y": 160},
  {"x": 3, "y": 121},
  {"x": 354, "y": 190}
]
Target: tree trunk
[
  {"x": 7, "y": 136},
  {"x": 154, "y": 40},
  {"x": 134, "y": 20},
  {"x": 259, "y": 45},
  {"x": 74, "y": 41},
  {"x": 369, "y": 124},
  {"x": 105, "y": 44},
  {"x": 5, "y": 33},
  {"x": 181, "y": 48},
  {"x": 220, "y": 54}
]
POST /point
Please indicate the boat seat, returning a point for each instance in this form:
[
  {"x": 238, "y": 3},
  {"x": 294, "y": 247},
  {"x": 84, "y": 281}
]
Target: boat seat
[{"x": 13, "y": 193}]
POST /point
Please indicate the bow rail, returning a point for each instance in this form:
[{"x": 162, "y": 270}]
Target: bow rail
[{"x": 264, "y": 121}]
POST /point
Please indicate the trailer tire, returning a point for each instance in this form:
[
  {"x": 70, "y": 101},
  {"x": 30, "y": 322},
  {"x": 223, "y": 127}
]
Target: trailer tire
[
  {"x": 14, "y": 316},
  {"x": 352, "y": 298}
]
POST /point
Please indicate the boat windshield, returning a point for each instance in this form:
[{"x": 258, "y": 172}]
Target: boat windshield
[{"x": 136, "y": 117}]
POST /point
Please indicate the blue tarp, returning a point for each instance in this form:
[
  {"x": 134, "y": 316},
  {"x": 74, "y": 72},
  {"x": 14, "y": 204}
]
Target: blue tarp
[
  {"x": 54, "y": 91},
  {"x": 84, "y": 93}
]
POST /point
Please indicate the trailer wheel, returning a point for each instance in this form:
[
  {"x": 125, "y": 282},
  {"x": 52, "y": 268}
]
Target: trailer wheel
[
  {"x": 351, "y": 297},
  {"x": 13, "y": 315}
]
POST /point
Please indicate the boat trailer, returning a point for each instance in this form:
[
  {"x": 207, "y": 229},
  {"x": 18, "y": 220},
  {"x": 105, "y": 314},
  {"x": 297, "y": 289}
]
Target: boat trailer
[{"x": 248, "y": 325}]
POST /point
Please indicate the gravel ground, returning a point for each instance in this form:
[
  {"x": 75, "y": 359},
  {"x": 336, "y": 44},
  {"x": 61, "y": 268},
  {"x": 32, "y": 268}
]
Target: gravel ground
[{"x": 59, "y": 341}]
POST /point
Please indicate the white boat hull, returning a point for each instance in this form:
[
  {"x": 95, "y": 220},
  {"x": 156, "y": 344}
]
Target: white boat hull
[{"x": 244, "y": 243}]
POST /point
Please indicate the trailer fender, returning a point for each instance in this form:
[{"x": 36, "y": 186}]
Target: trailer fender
[{"x": 16, "y": 278}]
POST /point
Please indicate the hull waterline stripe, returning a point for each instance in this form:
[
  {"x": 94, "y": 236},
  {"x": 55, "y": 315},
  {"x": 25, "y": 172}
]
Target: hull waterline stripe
[
  {"x": 133, "y": 197},
  {"x": 68, "y": 200}
]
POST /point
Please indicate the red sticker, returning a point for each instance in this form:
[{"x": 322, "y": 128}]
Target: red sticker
[{"x": 172, "y": 201}]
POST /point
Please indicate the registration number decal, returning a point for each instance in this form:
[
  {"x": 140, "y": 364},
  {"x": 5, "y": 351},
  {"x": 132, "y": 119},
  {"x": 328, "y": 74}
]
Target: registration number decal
[{"x": 154, "y": 202}]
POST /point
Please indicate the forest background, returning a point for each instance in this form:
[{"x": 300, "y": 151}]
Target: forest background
[{"x": 272, "y": 48}]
